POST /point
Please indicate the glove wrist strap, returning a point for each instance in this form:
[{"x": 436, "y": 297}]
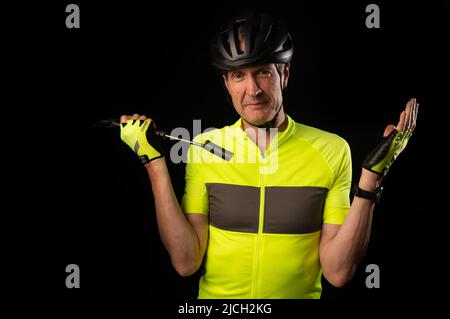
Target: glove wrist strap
[{"x": 372, "y": 196}]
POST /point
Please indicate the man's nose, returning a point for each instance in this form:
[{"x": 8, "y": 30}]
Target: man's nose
[{"x": 253, "y": 88}]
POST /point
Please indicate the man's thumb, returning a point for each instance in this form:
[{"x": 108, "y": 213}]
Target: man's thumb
[{"x": 388, "y": 130}]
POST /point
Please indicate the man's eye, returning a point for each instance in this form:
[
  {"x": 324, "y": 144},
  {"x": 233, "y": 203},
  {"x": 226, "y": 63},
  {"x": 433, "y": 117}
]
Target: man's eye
[
  {"x": 236, "y": 76},
  {"x": 265, "y": 73}
]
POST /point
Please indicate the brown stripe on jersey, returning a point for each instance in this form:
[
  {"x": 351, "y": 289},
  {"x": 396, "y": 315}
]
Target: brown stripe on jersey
[
  {"x": 293, "y": 210},
  {"x": 234, "y": 207}
]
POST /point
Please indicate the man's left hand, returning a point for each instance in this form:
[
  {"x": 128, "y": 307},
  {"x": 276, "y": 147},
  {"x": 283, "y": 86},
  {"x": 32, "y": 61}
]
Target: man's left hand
[{"x": 394, "y": 141}]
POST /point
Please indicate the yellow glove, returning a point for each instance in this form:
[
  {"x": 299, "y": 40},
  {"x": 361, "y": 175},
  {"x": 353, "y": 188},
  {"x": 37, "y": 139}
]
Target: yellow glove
[
  {"x": 394, "y": 141},
  {"x": 381, "y": 158},
  {"x": 140, "y": 136}
]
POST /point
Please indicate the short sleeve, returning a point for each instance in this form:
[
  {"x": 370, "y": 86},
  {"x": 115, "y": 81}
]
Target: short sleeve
[
  {"x": 337, "y": 203},
  {"x": 195, "y": 197}
]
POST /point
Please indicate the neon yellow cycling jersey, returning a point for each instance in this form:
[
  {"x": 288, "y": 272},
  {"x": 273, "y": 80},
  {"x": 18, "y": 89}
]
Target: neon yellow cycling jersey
[{"x": 266, "y": 210}]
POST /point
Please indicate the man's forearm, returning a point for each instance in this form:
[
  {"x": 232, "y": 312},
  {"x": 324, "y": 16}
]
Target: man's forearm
[
  {"x": 342, "y": 254},
  {"x": 177, "y": 234}
]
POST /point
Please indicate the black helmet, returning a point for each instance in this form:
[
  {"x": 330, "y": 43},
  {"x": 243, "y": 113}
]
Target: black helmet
[{"x": 266, "y": 41}]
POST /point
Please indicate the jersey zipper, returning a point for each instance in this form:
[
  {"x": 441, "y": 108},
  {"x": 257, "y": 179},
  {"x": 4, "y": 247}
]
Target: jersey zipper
[{"x": 262, "y": 195}]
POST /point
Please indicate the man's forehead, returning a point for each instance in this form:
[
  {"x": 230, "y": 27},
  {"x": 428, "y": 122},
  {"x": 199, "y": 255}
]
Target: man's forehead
[{"x": 254, "y": 68}]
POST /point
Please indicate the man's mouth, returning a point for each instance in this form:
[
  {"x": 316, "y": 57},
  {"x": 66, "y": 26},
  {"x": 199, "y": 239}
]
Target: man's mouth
[{"x": 255, "y": 104}]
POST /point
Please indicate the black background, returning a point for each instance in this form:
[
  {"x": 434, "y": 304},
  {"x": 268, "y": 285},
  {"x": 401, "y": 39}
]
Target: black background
[{"x": 79, "y": 195}]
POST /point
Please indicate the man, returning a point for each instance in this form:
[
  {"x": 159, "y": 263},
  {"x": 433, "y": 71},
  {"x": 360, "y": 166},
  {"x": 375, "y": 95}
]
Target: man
[{"x": 268, "y": 223}]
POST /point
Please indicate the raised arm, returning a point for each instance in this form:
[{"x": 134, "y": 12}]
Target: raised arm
[
  {"x": 183, "y": 235},
  {"x": 343, "y": 246}
]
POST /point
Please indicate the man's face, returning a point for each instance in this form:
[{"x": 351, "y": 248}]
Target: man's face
[{"x": 256, "y": 91}]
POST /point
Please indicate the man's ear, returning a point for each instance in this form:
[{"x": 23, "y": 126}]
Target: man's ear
[
  {"x": 286, "y": 72},
  {"x": 225, "y": 81}
]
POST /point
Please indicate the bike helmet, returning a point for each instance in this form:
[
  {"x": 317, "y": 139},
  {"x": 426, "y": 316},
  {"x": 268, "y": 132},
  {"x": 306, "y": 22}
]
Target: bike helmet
[{"x": 250, "y": 39}]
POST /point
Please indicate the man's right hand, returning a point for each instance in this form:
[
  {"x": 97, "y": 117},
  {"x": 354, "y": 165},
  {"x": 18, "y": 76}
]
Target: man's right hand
[{"x": 138, "y": 133}]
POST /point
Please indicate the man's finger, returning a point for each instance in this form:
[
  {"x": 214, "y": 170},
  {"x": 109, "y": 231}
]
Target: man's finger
[
  {"x": 411, "y": 116},
  {"x": 135, "y": 116},
  {"x": 388, "y": 130},
  {"x": 416, "y": 111},
  {"x": 124, "y": 118},
  {"x": 401, "y": 122},
  {"x": 407, "y": 116}
]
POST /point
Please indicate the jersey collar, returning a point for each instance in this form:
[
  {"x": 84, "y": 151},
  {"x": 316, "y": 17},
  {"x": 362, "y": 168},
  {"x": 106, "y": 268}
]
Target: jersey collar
[{"x": 282, "y": 136}]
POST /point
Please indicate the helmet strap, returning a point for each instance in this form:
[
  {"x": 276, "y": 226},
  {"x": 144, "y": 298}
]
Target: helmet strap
[{"x": 268, "y": 124}]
